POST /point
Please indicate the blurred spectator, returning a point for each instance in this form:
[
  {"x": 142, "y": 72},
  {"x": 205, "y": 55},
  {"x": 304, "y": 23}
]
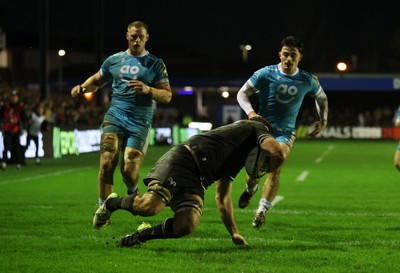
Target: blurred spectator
[
  {"x": 13, "y": 118},
  {"x": 397, "y": 152},
  {"x": 36, "y": 124},
  {"x": 361, "y": 119}
]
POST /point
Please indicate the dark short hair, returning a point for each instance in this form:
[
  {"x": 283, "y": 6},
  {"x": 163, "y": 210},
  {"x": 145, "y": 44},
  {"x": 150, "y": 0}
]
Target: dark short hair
[
  {"x": 291, "y": 41},
  {"x": 138, "y": 24}
]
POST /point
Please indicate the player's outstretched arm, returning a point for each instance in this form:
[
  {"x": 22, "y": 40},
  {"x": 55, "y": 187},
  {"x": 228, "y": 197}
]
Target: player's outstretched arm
[
  {"x": 92, "y": 84},
  {"x": 225, "y": 207},
  {"x": 321, "y": 102}
]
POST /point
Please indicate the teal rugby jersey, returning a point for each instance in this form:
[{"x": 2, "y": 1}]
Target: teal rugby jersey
[
  {"x": 281, "y": 95},
  {"x": 122, "y": 67}
]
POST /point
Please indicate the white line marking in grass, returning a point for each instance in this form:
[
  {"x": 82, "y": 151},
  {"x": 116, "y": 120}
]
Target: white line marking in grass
[
  {"x": 335, "y": 214},
  {"x": 279, "y": 242},
  {"x": 325, "y": 153},
  {"x": 40, "y": 207},
  {"x": 277, "y": 199},
  {"x": 302, "y": 176},
  {"x": 325, "y": 213},
  {"x": 28, "y": 179}
]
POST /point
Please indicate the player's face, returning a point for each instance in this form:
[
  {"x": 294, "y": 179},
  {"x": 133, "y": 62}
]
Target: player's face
[
  {"x": 137, "y": 38},
  {"x": 290, "y": 58}
]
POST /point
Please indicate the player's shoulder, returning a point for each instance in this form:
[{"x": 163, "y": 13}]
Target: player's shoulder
[
  {"x": 256, "y": 123},
  {"x": 266, "y": 70},
  {"x": 304, "y": 73},
  {"x": 115, "y": 57},
  {"x": 309, "y": 76},
  {"x": 119, "y": 54},
  {"x": 152, "y": 57},
  {"x": 273, "y": 68}
]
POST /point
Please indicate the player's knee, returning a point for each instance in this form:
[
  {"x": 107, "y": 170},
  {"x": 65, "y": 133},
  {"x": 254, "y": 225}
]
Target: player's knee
[
  {"x": 147, "y": 210},
  {"x": 186, "y": 222},
  {"x": 132, "y": 155},
  {"x": 187, "y": 215},
  {"x": 147, "y": 205},
  {"x": 109, "y": 143},
  {"x": 157, "y": 189}
]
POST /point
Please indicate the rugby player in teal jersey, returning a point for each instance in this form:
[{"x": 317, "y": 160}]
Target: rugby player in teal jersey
[
  {"x": 138, "y": 79},
  {"x": 281, "y": 89}
]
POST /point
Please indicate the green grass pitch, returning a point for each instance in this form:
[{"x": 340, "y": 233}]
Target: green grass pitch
[{"x": 337, "y": 210}]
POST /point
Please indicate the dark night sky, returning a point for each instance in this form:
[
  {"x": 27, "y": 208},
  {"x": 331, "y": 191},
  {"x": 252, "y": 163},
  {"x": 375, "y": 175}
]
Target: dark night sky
[{"x": 203, "y": 37}]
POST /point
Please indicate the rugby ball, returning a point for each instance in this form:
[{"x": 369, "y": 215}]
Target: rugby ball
[{"x": 257, "y": 163}]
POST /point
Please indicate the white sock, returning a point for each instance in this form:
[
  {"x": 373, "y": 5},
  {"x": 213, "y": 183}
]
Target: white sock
[
  {"x": 263, "y": 206},
  {"x": 101, "y": 201}
]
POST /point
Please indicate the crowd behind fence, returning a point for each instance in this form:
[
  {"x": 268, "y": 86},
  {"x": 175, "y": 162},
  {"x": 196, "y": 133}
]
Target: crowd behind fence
[{"x": 63, "y": 111}]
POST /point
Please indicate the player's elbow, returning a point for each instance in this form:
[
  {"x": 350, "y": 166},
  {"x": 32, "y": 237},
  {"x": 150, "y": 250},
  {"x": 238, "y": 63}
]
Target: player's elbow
[{"x": 166, "y": 98}]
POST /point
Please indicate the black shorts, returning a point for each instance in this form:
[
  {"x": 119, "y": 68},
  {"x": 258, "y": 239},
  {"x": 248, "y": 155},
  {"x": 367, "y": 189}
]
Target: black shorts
[{"x": 178, "y": 172}]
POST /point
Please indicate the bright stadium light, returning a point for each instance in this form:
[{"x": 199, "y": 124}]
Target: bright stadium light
[
  {"x": 225, "y": 94},
  {"x": 224, "y": 90},
  {"x": 61, "y": 53},
  {"x": 245, "y": 49},
  {"x": 341, "y": 66}
]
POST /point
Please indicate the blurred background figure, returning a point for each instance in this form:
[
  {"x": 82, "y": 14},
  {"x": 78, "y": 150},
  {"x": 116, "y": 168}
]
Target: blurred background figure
[
  {"x": 397, "y": 153},
  {"x": 12, "y": 118},
  {"x": 36, "y": 124}
]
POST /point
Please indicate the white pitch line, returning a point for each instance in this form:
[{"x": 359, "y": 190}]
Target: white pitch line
[
  {"x": 28, "y": 179},
  {"x": 325, "y": 213},
  {"x": 324, "y": 154},
  {"x": 302, "y": 176},
  {"x": 319, "y": 159},
  {"x": 276, "y": 200}
]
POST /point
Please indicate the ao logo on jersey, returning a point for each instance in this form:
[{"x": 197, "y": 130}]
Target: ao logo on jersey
[
  {"x": 285, "y": 90},
  {"x": 127, "y": 69}
]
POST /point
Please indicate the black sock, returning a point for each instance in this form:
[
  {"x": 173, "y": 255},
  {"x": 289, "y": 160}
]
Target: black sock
[
  {"x": 114, "y": 204},
  {"x": 161, "y": 231},
  {"x": 125, "y": 203}
]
